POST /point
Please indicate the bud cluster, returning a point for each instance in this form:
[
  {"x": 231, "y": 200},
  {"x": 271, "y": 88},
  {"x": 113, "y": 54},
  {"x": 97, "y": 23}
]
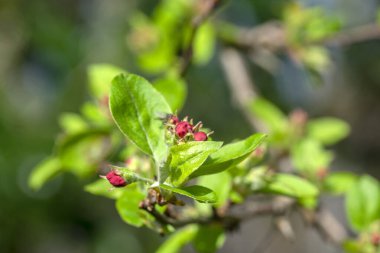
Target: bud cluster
[{"x": 185, "y": 130}]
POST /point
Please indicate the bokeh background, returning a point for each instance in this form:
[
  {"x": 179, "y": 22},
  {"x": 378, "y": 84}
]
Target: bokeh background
[{"x": 45, "y": 49}]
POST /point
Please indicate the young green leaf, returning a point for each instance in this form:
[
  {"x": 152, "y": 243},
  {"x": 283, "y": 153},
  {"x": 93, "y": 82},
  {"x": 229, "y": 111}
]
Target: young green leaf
[
  {"x": 292, "y": 186},
  {"x": 339, "y": 182},
  {"x": 220, "y": 184},
  {"x": 102, "y": 187},
  {"x": 187, "y": 157},
  {"x": 328, "y": 130},
  {"x": 204, "y": 44},
  {"x": 128, "y": 206},
  {"x": 178, "y": 240},
  {"x": 136, "y": 107},
  {"x": 229, "y": 155},
  {"x": 271, "y": 116},
  {"x": 209, "y": 239},
  {"x": 174, "y": 90},
  {"x": 197, "y": 192},
  {"x": 363, "y": 203},
  {"x": 100, "y": 77},
  {"x": 44, "y": 171}
]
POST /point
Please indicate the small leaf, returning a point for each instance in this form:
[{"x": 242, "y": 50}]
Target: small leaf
[
  {"x": 128, "y": 206},
  {"x": 220, "y": 183},
  {"x": 309, "y": 156},
  {"x": 292, "y": 186},
  {"x": 100, "y": 77},
  {"x": 363, "y": 203},
  {"x": 204, "y": 44},
  {"x": 339, "y": 182},
  {"x": 271, "y": 116},
  {"x": 178, "y": 240},
  {"x": 102, "y": 187},
  {"x": 72, "y": 123},
  {"x": 135, "y": 107},
  {"x": 328, "y": 130},
  {"x": 44, "y": 171},
  {"x": 209, "y": 239},
  {"x": 173, "y": 89},
  {"x": 187, "y": 157},
  {"x": 197, "y": 192},
  {"x": 229, "y": 155}
]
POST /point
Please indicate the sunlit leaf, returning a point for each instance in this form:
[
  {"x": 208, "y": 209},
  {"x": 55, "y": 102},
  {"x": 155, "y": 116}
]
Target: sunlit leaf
[
  {"x": 173, "y": 89},
  {"x": 229, "y": 155},
  {"x": 363, "y": 203},
  {"x": 340, "y": 182},
  {"x": 44, "y": 171},
  {"x": 187, "y": 157},
  {"x": 197, "y": 192},
  {"x": 328, "y": 130},
  {"x": 178, "y": 240},
  {"x": 136, "y": 107},
  {"x": 100, "y": 77}
]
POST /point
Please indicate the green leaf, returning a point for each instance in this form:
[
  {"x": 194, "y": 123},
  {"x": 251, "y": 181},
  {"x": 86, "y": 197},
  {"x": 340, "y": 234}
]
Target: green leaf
[
  {"x": 220, "y": 184},
  {"x": 81, "y": 153},
  {"x": 128, "y": 206},
  {"x": 270, "y": 115},
  {"x": 178, "y": 240},
  {"x": 136, "y": 107},
  {"x": 197, "y": 192},
  {"x": 209, "y": 239},
  {"x": 102, "y": 187},
  {"x": 187, "y": 157},
  {"x": 363, "y": 203},
  {"x": 328, "y": 130},
  {"x": 100, "y": 77},
  {"x": 174, "y": 90},
  {"x": 44, "y": 171},
  {"x": 309, "y": 156},
  {"x": 292, "y": 186},
  {"x": 229, "y": 155},
  {"x": 72, "y": 123},
  {"x": 204, "y": 43},
  {"x": 339, "y": 182}
]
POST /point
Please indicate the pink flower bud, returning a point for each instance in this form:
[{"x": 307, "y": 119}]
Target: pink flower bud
[
  {"x": 115, "y": 179},
  {"x": 183, "y": 128},
  {"x": 200, "y": 136}
]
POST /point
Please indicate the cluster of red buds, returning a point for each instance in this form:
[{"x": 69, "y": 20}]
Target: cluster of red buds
[{"x": 185, "y": 129}]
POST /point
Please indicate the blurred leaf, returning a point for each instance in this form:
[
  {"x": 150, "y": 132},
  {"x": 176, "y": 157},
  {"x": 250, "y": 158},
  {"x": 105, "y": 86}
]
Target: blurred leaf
[
  {"x": 178, "y": 240},
  {"x": 229, "y": 155},
  {"x": 309, "y": 156},
  {"x": 209, "y": 239},
  {"x": 72, "y": 123},
  {"x": 292, "y": 186},
  {"x": 220, "y": 183},
  {"x": 204, "y": 43},
  {"x": 363, "y": 203},
  {"x": 339, "y": 182},
  {"x": 135, "y": 107},
  {"x": 270, "y": 115},
  {"x": 351, "y": 246},
  {"x": 187, "y": 157},
  {"x": 197, "y": 192},
  {"x": 328, "y": 130},
  {"x": 44, "y": 171},
  {"x": 173, "y": 89},
  {"x": 102, "y": 187},
  {"x": 100, "y": 77},
  {"x": 128, "y": 206}
]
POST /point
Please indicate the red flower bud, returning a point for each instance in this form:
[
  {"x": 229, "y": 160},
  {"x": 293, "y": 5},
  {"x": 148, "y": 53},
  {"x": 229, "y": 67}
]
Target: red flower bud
[
  {"x": 173, "y": 120},
  {"x": 183, "y": 128},
  {"x": 115, "y": 179},
  {"x": 200, "y": 136}
]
